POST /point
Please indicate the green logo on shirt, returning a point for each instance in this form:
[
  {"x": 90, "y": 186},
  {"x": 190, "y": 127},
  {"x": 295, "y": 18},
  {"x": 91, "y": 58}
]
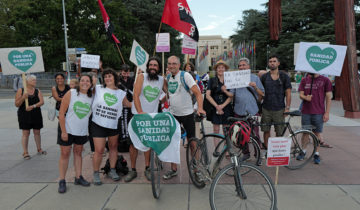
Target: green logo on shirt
[
  {"x": 320, "y": 59},
  {"x": 110, "y": 99},
  {"x": 81, "y": 109},
  {"x": 151, "y": 93},
  {"x": 173, "y": 87}
]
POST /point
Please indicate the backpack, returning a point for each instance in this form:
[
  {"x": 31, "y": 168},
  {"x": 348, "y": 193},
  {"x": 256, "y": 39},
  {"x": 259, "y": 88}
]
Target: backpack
[
  {"x": 121, "y": 166},
  {"x": 282, "y": 78}
]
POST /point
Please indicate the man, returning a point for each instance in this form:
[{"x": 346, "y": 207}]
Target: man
[
  {"x": 146, "y": 101},
  {"x": 181, "y": 105},
  {"x": 315, "y": 91},
  {"x": 245, "y": 99},
  {"x": 277, "y": 87}
]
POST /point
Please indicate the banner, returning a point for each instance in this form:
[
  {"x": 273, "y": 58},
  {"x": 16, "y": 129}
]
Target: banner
[
  {"x": 237, "y": 79},
  {"x": 162, "y": 42},
  {"x": 278, "y": 153},
  {"x": 188, "y": 46},
  {"x": 90, "y": 61},
  {"x": 21, "y": 60},
  {"x": 139, "y": 56},
  {"x": 158, "y": 131},
  {"x": 320, "y": 58},
  {"x": 177, "y": 14}
]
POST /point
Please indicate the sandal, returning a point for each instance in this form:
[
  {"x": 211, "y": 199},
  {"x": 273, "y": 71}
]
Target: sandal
[
  {"x": 325, "y": 145},
  {"x": 42, "y": 152},
  {"x": 26, "y": 156}
]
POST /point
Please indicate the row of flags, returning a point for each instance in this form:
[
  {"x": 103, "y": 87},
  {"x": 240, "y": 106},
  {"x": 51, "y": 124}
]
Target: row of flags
[
  {"x": 176, "y": 14},
  {"x": 244, "y": 49}
]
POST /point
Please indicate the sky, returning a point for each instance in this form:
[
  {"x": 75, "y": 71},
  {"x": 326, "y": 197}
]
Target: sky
[{"x": 219, "y": 17}]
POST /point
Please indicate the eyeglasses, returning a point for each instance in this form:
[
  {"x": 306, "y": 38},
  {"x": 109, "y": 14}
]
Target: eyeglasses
[{"x": 172, "y": 64}]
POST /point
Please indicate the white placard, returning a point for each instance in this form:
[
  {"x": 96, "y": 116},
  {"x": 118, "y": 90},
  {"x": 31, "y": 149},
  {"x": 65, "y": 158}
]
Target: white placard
[
  {"x": 278, "y": 153},
  {"x": 21, "y": 60},
  {"x": 237, "y": 79},
  {"x": 320, "y": 58},
  {"x": 162, "y": 42},
  {"x": 188, "y": 46},
  {"x": 90, "y": 61},
  {"x": 139, "y": 56},
  {"x": 296, "y": 49}
]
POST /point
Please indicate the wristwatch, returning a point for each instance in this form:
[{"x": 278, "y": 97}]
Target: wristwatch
[{"x": 34, "y": 106}]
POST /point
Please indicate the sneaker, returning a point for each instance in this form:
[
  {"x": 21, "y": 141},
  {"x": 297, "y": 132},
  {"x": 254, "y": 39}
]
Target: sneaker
[
  {"x": 81, "y": 181},
  {"x": 113, "y": 175},
  {"x": 170, "y": 174},
  {"x": 316, "y": 159},
  {"x": 245, "y": 157},
  {"x": 97, "y": 180},
  {"x": 301, "y": 156},
  {"x": 147, "y": 173},
  {"x": 62, "y": 186},
  {"x": 130, "y": 176}
]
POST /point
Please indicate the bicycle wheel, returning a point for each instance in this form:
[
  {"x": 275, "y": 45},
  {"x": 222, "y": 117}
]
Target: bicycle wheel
[
  {"x": 303, "y": 148},
  {"x": 256, "y": 185},
  {"x": 155, "y": 168},
  {"x": 250, "y": 155},
  {"x": 197, "y": 160}
]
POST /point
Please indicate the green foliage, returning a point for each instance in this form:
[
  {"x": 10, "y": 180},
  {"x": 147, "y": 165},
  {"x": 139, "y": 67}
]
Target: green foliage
[
  {"x": 302, "y": 21},
  {"x": 39, "y": 23}
]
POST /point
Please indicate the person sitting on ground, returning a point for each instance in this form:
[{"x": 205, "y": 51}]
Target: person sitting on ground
[{"x": 30, "y": 117}]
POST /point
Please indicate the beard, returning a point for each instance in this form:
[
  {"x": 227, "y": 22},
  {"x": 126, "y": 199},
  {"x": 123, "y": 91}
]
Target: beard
[{"x": 152, "y": 76}]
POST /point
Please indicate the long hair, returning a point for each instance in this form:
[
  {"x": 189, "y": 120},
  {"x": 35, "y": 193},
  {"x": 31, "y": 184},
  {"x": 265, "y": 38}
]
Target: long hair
[
  {"x": 158, "y": 61},
  {"x": 110, "y": 71},
  {"x": 192, "y": 67},
  {"x": 89, "y": 92}
]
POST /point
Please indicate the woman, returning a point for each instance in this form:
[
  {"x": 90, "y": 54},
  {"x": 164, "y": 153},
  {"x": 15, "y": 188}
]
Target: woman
[
  {"x": 59, "y": 90},
  {"x": 30, "y": 117},
  {"x": 219, "y": 97},
  {"x": 107, "y": 108},
  {"x": 76, "y": 104}
]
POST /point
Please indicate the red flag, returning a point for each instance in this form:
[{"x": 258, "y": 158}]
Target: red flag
[
  {"x": 177, "y": 14},
  {"x": 108, "y": 26}
]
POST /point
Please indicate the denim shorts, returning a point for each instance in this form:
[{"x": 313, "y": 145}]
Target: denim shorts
[{"x": 315, "y": 120}]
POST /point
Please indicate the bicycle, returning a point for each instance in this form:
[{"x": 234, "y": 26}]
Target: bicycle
[
  {"x": 201, "y": 167},
  {"x": 305, "y": 149},
  {"x": 155, "y": 171},
  {"x": 253, "y": 189}
]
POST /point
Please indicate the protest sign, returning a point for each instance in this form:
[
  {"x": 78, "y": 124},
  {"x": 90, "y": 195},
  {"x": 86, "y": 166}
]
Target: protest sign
[
  {"x": 139, "y": 56},
  {"x": 158, "y": 131},
  {"x": 188, "y": 46},
  {"x": 320, "y": 58},
  {"x": 162, "y": 42},
  {"x": 278, "y": 153},
  {"x": 237, "y": 79},
  {"x": 21, "y": 60},
  {"x": 90, "y": 61}
]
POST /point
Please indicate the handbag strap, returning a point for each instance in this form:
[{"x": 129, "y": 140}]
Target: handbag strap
[{"x": 252, "y": 93}]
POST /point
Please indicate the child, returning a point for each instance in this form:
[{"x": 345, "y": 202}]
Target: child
[{"x": 73, "y": 83}]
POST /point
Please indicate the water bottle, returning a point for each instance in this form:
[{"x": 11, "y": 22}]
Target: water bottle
[{"x": 214, "y": 158}]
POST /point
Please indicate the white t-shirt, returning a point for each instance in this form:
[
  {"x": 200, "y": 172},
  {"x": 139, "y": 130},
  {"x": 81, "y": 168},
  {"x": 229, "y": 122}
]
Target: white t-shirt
[
  {"x": 107, "y": 106},
  {"x": 150, "y": 93},
  {"x": 77, "y": 116},
  {"x": 180, "y": 99}
]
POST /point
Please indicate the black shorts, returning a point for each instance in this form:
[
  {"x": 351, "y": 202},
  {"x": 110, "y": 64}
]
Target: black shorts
[
  {"x": 100, "y": 132},
  {"x": 79, "y": 140},
  {"x": 29, "y": 126},
  {"x": 188, "y": 123}
]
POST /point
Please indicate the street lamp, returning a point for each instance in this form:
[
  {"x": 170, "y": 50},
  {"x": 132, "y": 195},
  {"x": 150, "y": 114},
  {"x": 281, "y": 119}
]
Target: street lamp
[{"x": 66, "y": 44}]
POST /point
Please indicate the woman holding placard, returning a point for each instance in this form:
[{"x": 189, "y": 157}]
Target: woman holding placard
[
  {"x": 30, "y": 117},
  {"x": 76, "y": 104},
  {"x": 106, "y": 110},
  {"x": 219, "y": 97}
]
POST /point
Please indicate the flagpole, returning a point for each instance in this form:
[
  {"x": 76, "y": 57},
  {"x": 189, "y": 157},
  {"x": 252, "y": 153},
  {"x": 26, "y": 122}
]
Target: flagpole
[
  {"x": 157, "y": 37},
  {"x": 122, "y": 58}
]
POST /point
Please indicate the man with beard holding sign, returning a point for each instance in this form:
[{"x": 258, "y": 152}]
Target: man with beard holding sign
[{"x": 147, "y": 91}]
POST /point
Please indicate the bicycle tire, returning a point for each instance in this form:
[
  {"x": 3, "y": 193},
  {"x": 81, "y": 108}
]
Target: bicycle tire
[
  {"x": 195, "y": 161},
  {"x": 155, "y": 169},
  {"x": 256, "y": 184},
  {"x": 297, "y": 147}
]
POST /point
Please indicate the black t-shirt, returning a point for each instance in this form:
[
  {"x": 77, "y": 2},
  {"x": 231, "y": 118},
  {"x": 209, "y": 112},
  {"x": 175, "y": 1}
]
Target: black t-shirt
[{"x": 275, "y": 91}]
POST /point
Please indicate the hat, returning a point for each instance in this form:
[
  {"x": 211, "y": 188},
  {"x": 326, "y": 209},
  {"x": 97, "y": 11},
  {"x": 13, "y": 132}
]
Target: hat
[{"x": 221, "y": 62}]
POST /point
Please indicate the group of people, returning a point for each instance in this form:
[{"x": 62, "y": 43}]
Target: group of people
[{"x": 92, "y": 108}]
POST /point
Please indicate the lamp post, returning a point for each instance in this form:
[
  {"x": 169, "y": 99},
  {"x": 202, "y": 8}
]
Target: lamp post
[{"x": 66, "y": 45}]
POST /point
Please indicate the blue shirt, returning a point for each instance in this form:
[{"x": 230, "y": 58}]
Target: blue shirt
[{"x": 245, "y": 102}]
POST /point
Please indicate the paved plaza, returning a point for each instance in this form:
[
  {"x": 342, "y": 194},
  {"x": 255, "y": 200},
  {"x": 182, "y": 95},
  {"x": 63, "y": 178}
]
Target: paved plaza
[{"x": 32, "y": 184}]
